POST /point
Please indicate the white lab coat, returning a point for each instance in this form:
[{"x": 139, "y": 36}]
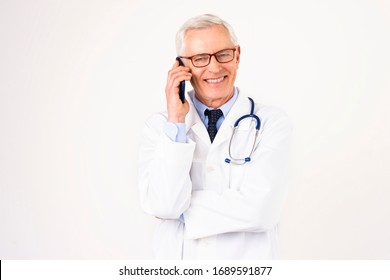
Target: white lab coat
[{"x": 230, "y": 211}]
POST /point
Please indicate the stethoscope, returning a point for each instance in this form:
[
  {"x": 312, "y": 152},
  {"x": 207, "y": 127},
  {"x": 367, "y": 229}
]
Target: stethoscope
[{"x": 244, "y": 160}]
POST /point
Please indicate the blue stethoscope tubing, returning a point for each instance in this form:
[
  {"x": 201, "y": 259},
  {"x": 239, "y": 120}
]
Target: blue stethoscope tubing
[{"x": 258, "y": 125}]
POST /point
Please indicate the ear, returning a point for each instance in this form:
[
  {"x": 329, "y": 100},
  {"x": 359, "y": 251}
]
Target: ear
[{"x": 238, "y": 53}]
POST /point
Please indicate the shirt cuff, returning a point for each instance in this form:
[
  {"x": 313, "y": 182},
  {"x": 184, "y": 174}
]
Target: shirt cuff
[{"x": 176, "y": 132}]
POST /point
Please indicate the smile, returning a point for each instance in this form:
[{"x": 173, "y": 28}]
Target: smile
[{"x": 214, "y": 81}]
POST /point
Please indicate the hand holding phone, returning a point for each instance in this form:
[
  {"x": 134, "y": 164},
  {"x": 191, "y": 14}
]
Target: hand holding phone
[{"x": 182, "y": 85}]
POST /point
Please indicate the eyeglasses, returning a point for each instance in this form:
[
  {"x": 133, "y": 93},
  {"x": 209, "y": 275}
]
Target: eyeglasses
[{"x": 203, "y": 59}]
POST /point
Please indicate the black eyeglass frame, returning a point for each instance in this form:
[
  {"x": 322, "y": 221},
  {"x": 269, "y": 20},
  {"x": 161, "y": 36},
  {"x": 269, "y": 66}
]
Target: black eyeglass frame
[{"x": 210, "y": 56}]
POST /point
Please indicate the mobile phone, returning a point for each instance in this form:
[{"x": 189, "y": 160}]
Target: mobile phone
[{"x": 182, "y": 85}]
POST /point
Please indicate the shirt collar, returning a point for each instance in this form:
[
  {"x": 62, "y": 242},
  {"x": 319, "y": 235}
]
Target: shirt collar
[{"x": 225, "y": 108}]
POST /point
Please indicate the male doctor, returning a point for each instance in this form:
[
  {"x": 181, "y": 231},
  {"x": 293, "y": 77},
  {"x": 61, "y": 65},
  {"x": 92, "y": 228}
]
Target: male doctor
[{"x": 217, "y": 193}]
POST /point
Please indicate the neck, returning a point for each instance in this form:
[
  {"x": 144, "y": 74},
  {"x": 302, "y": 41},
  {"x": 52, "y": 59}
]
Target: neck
[{"x": 215, "y": 103}]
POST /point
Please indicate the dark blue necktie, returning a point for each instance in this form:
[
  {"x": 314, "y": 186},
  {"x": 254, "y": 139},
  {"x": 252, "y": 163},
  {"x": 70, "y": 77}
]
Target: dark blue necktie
[{"x": 213, "y": 116}]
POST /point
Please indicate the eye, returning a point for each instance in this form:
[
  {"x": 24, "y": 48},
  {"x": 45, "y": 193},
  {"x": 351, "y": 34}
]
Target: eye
[
  {"x": 224, "y": 54},
  {"x": 200, "y": 58}
]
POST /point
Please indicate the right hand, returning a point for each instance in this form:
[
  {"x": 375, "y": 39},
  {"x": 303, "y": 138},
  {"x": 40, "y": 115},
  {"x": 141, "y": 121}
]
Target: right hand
[{"x": 177, "y": 110}]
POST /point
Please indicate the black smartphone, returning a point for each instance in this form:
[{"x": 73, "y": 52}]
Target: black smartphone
[{"x": 182, "y": 86}]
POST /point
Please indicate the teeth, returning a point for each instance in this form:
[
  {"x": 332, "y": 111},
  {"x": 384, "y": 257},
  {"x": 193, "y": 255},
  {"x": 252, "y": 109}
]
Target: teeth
[{"x": 215, "y": 80}]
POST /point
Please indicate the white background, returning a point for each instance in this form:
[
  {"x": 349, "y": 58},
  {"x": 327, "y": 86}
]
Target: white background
[{"x": 78, "y": 79}]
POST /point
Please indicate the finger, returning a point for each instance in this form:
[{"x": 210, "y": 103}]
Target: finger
[
  {"x": 175, "y": 65},
  {"x": 181, "y": 73},
  {"x": 176, "y": 78}
]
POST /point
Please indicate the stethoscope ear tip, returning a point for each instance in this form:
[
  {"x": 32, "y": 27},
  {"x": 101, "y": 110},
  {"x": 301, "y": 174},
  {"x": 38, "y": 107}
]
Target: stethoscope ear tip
[{"x": 247, "y": 159}]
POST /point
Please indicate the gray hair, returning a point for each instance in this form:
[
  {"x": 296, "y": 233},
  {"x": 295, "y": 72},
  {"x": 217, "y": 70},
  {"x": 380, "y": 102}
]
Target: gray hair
[{"x": 201, "y": 22}]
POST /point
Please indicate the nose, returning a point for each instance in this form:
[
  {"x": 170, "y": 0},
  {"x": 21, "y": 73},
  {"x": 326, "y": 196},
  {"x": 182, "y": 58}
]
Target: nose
[{"x": 214, "y": 65}]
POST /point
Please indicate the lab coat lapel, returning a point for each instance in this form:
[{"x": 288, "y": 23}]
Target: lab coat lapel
[{"x": 195, "y": 124}]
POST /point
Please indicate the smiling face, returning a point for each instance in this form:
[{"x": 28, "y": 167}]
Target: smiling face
[{"x": 214, "y": 83}]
